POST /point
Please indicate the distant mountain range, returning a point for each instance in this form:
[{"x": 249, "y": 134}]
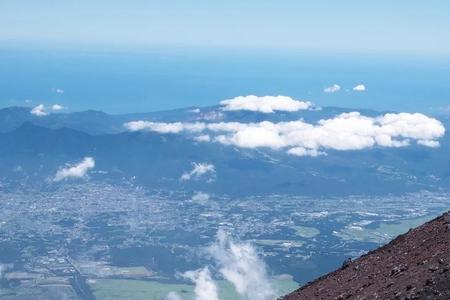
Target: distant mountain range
[
  {"x": 97, "y": 122},
  {"x": 33, "y": 148}
]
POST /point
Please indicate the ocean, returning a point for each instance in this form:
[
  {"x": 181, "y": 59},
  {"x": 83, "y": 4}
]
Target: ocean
[{"x": 140, "y": 81}]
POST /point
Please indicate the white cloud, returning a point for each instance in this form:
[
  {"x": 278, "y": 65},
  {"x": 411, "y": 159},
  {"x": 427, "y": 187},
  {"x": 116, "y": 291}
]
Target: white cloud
[
  {"x": 347, "y": 131},
  {"x": 300, "y": 151},
  {"x": 58, "y": 90},
  {"x": 39, "y": 111},
  {"x": 75, "y": 171},
  {"x": 265, "y": 104},
  {"x": 200, "y": 197},
  {"x": 227, "y": 126},
  {"x": 173, "y": 296},
  {"x": 157, "y": 127},
  {"x": 240, "y": 264},
  {"x": 195, "y": 111},
  {"x": 57, "y": 107},
  {"x": 360, "y": 88},
  {"x": 211, "y": 116},
  {"x": 198, "y": 171},
  {"x": 202, "y": 138},
  {"x": 176, "y": 127},
  {"x": 429, "y": 143},
  {"x": 332, "y": 89},
  {"x": 205, "y": 287},
  {"x": 264, "y": 134}
]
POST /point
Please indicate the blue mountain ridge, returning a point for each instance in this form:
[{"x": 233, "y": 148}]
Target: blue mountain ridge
[{"x": 33, "y": 148}]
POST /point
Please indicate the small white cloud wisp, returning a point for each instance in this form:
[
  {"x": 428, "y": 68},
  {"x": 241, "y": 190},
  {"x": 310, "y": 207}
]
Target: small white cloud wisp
[
  {"x": 75, "y": 171},
  {"x": 200, "y": 197},
  {"x": 57, "y": 107},
  {"x": 202, "y": 138},
  {"x": 39, "y": 111},
  {"x": 162, "y": 127},
  {"x": 205, "y": 286},
  {"x": 332, "y": 89},
  {"x": 240, "y": 264},
  {"x": 199, "y": 170},
  {"x": 58, "y": 90},
  {"x": 360, "y": 88},
  {"x": 173, "y": 296}
]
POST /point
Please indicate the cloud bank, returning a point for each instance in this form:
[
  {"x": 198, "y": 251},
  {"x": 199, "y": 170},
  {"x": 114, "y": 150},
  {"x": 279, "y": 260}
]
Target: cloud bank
[
  {"x": 205, "y": 287},
  {"x": 76, "y": 171},
  {"x": 240, "y": 264},
  {"x": 198, "y": 171},
  {"x": 265, "y": 104},
  {"x": 332, "y": 89},
  {"x": 347, "y": 131}
]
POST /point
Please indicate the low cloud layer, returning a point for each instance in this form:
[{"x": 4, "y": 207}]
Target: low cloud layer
[
  {"x": 265, "y": 104},
  {"x": 199, "y": 170},
  {"x": 240, "y": 264},
  {"x": 332, "y": 89},
  {"x": 205, "y": 287},
  {"x": 75, "y": 171},
  {"x": 347, "y": 131}
]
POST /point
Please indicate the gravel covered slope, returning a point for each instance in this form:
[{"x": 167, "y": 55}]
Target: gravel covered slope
[{"x": 415, "y": 265}]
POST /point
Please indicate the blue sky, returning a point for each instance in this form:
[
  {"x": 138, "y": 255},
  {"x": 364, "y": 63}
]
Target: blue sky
[
  {"x": 201, "y": 52},
  {"x": 375, "y": 26}
]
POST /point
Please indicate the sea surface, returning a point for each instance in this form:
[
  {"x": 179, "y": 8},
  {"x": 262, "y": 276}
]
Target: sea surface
[{"x": 120, "y": 81}]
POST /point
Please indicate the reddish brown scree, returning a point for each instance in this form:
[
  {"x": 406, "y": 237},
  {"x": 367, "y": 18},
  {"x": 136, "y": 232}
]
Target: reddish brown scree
[{"x": 415, "y": 265}]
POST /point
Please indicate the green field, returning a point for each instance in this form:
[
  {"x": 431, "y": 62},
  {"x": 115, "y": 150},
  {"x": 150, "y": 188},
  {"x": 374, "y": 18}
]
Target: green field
[
  {"x": 383, "y": 233},
  {"x": 307, "y": 232},
  {"x": 47, "y": 292},
  {"x": 109, "y": 289}
]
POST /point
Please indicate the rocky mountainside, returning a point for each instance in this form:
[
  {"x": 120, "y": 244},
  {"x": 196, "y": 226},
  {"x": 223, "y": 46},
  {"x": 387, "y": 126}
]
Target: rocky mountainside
[{"x": 415, "y": 265}]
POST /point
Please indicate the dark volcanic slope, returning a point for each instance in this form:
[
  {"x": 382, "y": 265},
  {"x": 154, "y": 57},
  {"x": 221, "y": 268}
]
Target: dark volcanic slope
[{"x": 413, "y": 266}]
